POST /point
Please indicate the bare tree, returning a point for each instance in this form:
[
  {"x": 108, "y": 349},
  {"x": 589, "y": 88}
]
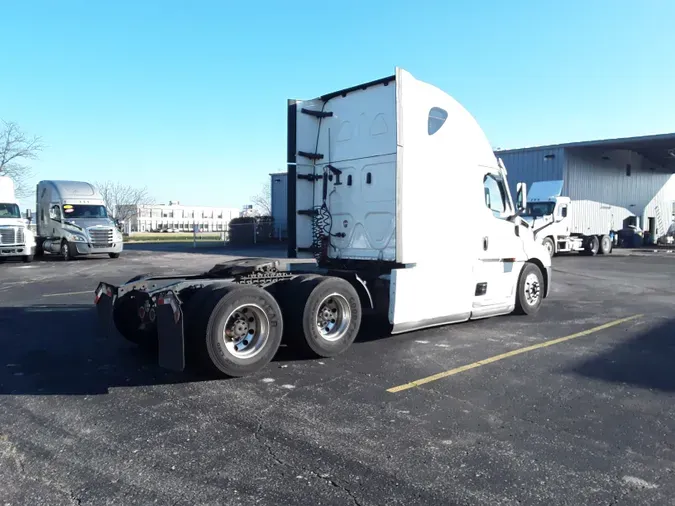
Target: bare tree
[
  {"x": 15, "y": 149},
  {"x": 263, "y": 201},
  {"x": 123, "y": 200}
]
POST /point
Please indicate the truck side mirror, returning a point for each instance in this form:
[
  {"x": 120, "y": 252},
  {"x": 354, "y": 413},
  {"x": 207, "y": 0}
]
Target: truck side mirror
[
  {"x": 29, "y": 215},
  {"x": 521, "y": 196}
]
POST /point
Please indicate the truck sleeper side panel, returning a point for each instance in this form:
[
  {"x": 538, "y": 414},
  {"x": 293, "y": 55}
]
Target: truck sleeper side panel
[{"x": 346, "y": 158}]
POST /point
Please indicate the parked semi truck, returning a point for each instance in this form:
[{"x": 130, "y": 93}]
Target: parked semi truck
[
  {"x": 72, "y": 220},
  {"x": 16, "y": 239},
  {"x": 548, "y": 213},
  {"x": 373, "y": 171}
]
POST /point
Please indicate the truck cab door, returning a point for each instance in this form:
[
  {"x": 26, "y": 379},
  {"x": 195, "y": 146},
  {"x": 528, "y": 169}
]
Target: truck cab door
[
  {"x": 55, "y": 219},
  {"x": 562, "y": 219},
  {"x": 501, "y": 251}
]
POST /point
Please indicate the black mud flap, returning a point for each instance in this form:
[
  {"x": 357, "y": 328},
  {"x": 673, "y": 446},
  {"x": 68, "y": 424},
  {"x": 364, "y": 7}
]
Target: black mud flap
[
  {"x": 105, "y": 298},
  {"x": 171, "y": 343}
]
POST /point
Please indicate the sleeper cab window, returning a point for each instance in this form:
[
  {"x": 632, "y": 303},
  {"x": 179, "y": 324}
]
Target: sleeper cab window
[{"x": 437, "y": 117}]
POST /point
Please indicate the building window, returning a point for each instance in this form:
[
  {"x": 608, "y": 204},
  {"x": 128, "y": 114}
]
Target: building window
[{"x": 437, "y": 117}]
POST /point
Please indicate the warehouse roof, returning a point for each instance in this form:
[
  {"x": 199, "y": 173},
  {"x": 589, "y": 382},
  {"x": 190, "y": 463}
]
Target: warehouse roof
[{"x": 657, "y": 148}]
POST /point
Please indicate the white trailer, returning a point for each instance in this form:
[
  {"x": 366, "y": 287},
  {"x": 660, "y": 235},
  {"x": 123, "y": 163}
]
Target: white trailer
[
  {"x": 550, "y": 216},
  {"x": 16, "y": 239},
  {"x": 72, "y": 220},
  {"x": 371, "y": 171}
]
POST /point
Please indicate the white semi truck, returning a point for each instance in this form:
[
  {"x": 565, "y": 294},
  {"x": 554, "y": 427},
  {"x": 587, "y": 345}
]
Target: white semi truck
[
  {"x": 72, "y": 220},
  {"x": 548, "y": 213},
  {"x": 16, "y": 238},
  {"x": 373, "y": 171}
]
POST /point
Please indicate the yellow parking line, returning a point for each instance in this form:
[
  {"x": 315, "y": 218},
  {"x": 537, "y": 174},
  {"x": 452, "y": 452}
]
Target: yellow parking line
[{"x": 519, "y": 351}]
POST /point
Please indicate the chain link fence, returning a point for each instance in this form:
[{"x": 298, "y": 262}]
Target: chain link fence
[{"x": 259, "y": 230}]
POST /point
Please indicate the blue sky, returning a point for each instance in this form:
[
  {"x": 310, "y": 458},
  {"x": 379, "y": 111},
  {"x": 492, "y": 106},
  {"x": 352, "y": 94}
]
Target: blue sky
[{"x": 189, "y": 98}]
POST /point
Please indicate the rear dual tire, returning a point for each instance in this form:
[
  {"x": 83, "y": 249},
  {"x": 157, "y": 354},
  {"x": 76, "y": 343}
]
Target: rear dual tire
[
  {"x": 323, "y": 315},
  {"x": 234, "y": 330},
  {"x": 595, "y": 245},
  {"x": 605, "y": 245}
]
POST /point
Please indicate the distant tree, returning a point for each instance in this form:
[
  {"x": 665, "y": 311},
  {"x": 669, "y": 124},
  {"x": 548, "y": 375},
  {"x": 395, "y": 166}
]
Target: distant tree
[
  {"x": 263, "y": 201},
  {"x": 15, "y": 149},
  {"x": 123, "y": 200}
]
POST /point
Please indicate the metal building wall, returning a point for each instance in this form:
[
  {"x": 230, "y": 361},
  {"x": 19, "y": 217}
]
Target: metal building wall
[
  {"x": 604, "y": 195},
  {"x": 531, "y": 165},
  {"x": 279, "y": 199}
]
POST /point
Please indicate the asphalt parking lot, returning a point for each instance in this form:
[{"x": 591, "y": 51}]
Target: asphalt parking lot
[{"x": 585, "y": 420}]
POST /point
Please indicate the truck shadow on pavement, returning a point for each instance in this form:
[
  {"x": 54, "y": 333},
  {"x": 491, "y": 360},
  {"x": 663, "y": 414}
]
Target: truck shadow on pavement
[
  {"x": 61, "y": 350},
  {"x": 58, "y": 350},
  {"x": 647, "y": 360}
]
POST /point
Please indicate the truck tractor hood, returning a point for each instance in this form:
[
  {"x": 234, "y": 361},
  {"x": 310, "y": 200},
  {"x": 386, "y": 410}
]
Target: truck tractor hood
[{"x": 85, "y": 223}]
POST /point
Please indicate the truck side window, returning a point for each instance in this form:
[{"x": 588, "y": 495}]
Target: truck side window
[
  {"x": 495, "y": 195},
  {"x": 55, "y": 213},
  {"x": 437, "y": 117}
]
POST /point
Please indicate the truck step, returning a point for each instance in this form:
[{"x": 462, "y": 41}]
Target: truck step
[
  {"x": 310, "y": 177},
  {"x": 311, "y": 156},
  {"x": 316, "y": 114}
]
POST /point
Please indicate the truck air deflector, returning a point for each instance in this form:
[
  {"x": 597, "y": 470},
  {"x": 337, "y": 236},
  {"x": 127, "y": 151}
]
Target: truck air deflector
[{"x": 343, "y": 93}]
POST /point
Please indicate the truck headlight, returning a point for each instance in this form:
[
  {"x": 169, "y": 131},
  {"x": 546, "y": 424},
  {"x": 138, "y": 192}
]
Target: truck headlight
[{"x": 76, "y": 238}]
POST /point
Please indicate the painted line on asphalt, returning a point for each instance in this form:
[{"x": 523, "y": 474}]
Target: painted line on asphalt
[
  {"x": 66, "y": 293},
  {"x": 513, "y": 353}
]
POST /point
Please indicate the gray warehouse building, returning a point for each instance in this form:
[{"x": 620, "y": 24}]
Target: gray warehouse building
[{"x": 621, "y": 182}]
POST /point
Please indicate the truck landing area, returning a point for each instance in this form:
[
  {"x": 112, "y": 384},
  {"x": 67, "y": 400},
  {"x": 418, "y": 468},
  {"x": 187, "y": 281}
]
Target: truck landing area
[{"x": 573, "y": 406}]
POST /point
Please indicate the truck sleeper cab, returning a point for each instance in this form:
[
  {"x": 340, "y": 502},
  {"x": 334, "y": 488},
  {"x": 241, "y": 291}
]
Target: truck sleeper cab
[
  {"x": 375, "y": 174},
  {"x": 72, "y": 221}
]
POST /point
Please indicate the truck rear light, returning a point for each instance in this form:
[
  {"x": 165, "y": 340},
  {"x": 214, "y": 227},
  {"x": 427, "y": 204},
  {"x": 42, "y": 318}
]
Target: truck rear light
[{"x": 100, "y": 290}]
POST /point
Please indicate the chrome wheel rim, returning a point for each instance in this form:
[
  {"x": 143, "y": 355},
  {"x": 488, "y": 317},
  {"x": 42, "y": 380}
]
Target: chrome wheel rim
[
  {"x": 549, "y": 247},
  {"x": 532, "y": 289},
  {"x": 246, "y": 331},
  {"x": 333, "y": 317}
]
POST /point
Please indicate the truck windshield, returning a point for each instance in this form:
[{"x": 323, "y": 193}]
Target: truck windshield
[
  {"x": 84, "y": 211},
  {"x": 9, "y": 211},
  {"x": 537, "y": 209}
]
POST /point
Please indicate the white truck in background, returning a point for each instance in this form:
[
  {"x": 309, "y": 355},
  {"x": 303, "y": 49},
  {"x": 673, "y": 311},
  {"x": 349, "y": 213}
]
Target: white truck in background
[
  {"x": 16, "y": 238},
  {"x": 370, "y": 170},
  {"x": 548, "y": 213},
  {"x": 72, "y": 220}
]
